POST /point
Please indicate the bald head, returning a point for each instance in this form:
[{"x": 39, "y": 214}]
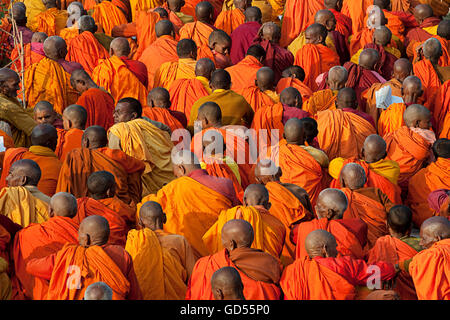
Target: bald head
[
  {"x": 346, "y": 98},
  {"x": 326, "y": 18},
  {"x": 164, "y": 28},
  {"x": 295, "y": 72},
  {"x": 220, "y": 79},
  {"x": 294, "y": 132},
  {"x": 403, "y": 68},
  {"x": 331, "y": 204},
  {"x": 19, "y": 13},
  {"x": 265, "y": 79},
  {"x": 316, "y": 34},
  {"x": 159, "y": 97},
  {"x": 320, "y": 243},
  {"x": 434, "y": 229},
  {"x": 383, "y": 4},
  {"x": 237, "y": 233},
  {"x": 98, "y": 291},
  {"x": 44, "y": 135},
  {"x": 39, "y": 37},
  {"x": 291, "y": 97},
  {"x": 204, "y": 12},
  {"x": 87, "y": 23},
  {"x": 101, "y": 185},
  {"x": 24, "y": 172},
  {"x": 81, "y": 81},
  {"x": 417, "y": 116},
  {"x": 399, "y": 221},
  {"x": 184, "y": 162},
  {"x": 152, "y": 216},
  {"x": 93, "y": 231},
  {"x": 411, "y": 89},
  {"x": 94, "y": 137},
  {"x": 382, "y": 36},
  {"x": 9, "y": 82},
  {"x": 443, "y": 29},
  {"x": 333, "y": 4},
  {"x": 175, "y": 5},
  {"x": 253, "y": 14},
  {"x": 204, "y": 68},
  {"x": 63, "y": 204},
  {"x": 441, "y": 148},
  {"x": 119, "y": 47},
  {"x": 422, "y": 12},
  {"x": 43, "y": 112},
  {"x": 220, "y": 41},
  {"x": 432, "y": 50},
  {"x": 271, "y": 31},
  {"x": 368, "y": 58},
  {"x": 353, "y": 176},
  {"x": 226, "y": 284},
  {"x": 374, "y": 148},
  {"x": 256, "y": 51},
  {"x": 162, "y": 12},
  {"x": 337, "y": 77},
  {"x": 256, "y": 195},
  {"x": 210, "y": 114},
  {"x": 55, "y": 48},
  {"x": 74, "y": 116},
  {"x": 186, "y": 48}
]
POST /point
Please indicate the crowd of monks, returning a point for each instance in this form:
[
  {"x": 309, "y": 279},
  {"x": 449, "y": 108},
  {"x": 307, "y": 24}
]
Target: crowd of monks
[{"x": 225, "y": 149}]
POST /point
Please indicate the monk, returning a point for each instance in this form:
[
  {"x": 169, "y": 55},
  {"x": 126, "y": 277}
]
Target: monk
[
  {"x": 96, "y": 260},
  {"x": 185, "y": 92},
  {"x": 75, "y": 10},
  {"x": 193, "y": 201},
  {"x": 427, "y": 267},
  {"x": 380, "y": 172},
  {"x": 242, "y": 36},
  {"x": 398, "y": 246},
  {"x": 294, "y": 77},
  {"x": 235, "y": 109},
  {"x": 42, "y": 151},
  {"x": 52, "y": 20},
  {"x": 142, "y": 139},
  {"x": 183, "y": 68},
  {"x": 410, "y": 145},
  {"x": 217, "y": 49},
  {"x": 49, "y": 79},
  {"x": 98, "y": 291},
  {"x": 262, "y": 93},
  {"x": 163, "y": 262},
  {"x": 326, "y": 275},
  {"x": 18, "y": 12},
  {"x": 43, "y": 112},
  {"x": 107, "y": 15},
  {"x": 113, "y": 72},
  {"x": 158, "y": 109},
  {"x": 325, "y": 99},
  {"x": 315, "y": 57},
  {"x": 98, "y": 103},
  {"x": 19, "y": 120},
  {"x": 346, "y": 101},
  {"x": 230, "y": 19},
  {"x": 395, "y": 21},
  {"x": 163, "y": 49},
  {"x": 200, "y": 30},
  {"x": 32, "y": 52},
  {"x": 438, "y": 200},
  {"x": 69, "y": 138},
  {"x": 434, "y": 176},
  {"x": 260, "y": 272},
  {"x": 85, "y": 48},
  {"x": 226, "y": 284},
  {"x": 243, "y": 74},
  {"x": 20, "y": 200},
  {"x": 343, "y": 22},
  {"x": 41, "y": 239},
  {"x": 427, "y": 25},
  {"x": 350, "y": 233},
  {"x": 96, "y": 156}
]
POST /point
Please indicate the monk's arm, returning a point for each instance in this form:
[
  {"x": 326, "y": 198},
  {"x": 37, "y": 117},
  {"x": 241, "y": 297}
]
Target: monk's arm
[{"x": 42, "y": 267}]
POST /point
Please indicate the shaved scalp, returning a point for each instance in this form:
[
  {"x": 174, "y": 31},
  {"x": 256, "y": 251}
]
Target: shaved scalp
[
  {"x": 77, "y": 114},
  {"x": 160, "y": 97},
  {"x": 43, "y": 105},
  {"x": 383, "y": 4},
  {"x": 443, "y": 29},
  {"x": 96, "y": 228},
  {"x": 414, "y": 113},
  {"x": 296, "y": 72},
  {"x": 87, "y": 23},
  {"x": 346, "y": 98},
  {"x": 399, "y": 219},
  {"x": 44, "y": 135},
  {"x": 256, "y": 51},
  {"x": 164, "y": 28},
  {"x": 294, "y": 131},
  {"x": 80, "y": 75},
  {"x": 353, "y": 176},
  {"x": 133, "y": 104},
  {"x": 368, "y": 58},
  {"x": 221, "y": 79},
  {"x": 38, "y": 37},
  {"x": 441, "y": 148},
  {"x": 204, "y": 11},
  {"x": 266, "y": 167},
  {"x": 291, "y": 97},
  {"x": 265, "y": 78},
  {"x": 218, "y": 36},
  {"x": 412, "y": 83},
  {"x": 253, "y": 14},
  {"x": 333, "y": 199},
  {"x": 100, "y": 182},
  {"x": 311, "y": 128},
  {"x": 63, "y": 204},
  {"x": 55, "y": 48},
  {"x": 120, "y": 47},
  {"x": 151, "y": 210},
  {"x": 437, "y": 226},
  {"x": 423, "y": 11},
  {"x": 318, "y": 239},
  {"x": 18, "y": 12},
  {"x": 256, "y": 195},
  {"x": 98, "y": 291},
  {"x": 322, "y": 16},
  {"x": 7, "y": 74},
  {"x": 228, "y": 281},
  {"x": 332, "y": 4},
  {"x": 432, "y": 49},
  {"x": 29, "y": 169},
  {"x": 240, "y": 231},
  {"x": 211, "y": 111},
  {"x": 204, "y": 68},
  {"x": 402, "y": 69},
  {"x": 162, "y": 12},
  {"x": 186, "y": 48},
  {"x": 374, "y": 148},
  {"x": 271, "y": 31},
  {"x": 338, "y": 73},
  {"x": 382, "y": 36},
  {"x": 317, "y": 29},
  {"x": 97, "y": 137}
]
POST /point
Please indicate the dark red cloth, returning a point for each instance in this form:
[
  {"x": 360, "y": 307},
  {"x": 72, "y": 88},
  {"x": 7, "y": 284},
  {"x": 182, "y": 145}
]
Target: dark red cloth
[
  {"x": 344, "y": 21},
  {"x": 70, "y": 66},
  {"x": 418, "y": 34},
  {"x": 407, "y": 19},
  {"x": 241, "y": 39},
  {"x": 27, "y": 34},
  {"x": 10, "y": 226},
  {"x": 58, "y": 123},
  {"x": 293, "y": 112},
  {"x": 341, "y": 47},
  {"x": 138, "y": 68},
  {"x": 385, "y": 65},
  {"x": 357, "y": 227},
  {"x": 180, "y": 116}
]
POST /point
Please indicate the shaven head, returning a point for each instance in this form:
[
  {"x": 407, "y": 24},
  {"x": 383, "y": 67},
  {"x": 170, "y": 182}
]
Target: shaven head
[
  {"x": 267, "y": 171},
  {"x": 210, "y": 114},
  {"x": 333, "y": 4},
  {"x": 44, "y": 135},
  {"x": 369, "y": 58},
  {"x": 271, "y": 31},
  {"x": 127, "y": 109},
  {"x": 353, "y": 176},
  {"x": 24, "y": 172},
  {"x": 226, "y": 284},
  {"x": 94, "y": 137},
  {"x": 63, "y": 204},
  {"x": 93, "y": 231},
  {"x": 256, "y": 195},
  {"x": 74, "y": 116},
  {"x": 162, "y": 12},
  {"x": 316, "y": 34},
  {"x": 39, "y": 37},
  {"x": 237, "y": 233},
  {"x": 87, "y": 23},
  {"x": 441, "y": 148},
  {"x": 311, "y": 129},
  {"x": 294, "y": 132},
  {"x": 337, "y": 77},
  {"x": 374, "y": 148},
  {"x": 265, "y": 79},
  {"x": 204, "y": 12},
  {"x": 98, "y": 291},
  {"x": 220, "y": 79},
  {"x": 422, "y": 11},
  {"x": 76, "y": 8},
  {"x": 443, "y": 29},
  {"x": 204, "y": 68},
  {"x": 175, "y": 5},
  {"x": 321, "y": 243},
  {"x": 19, "y": 13},
  {"x": 346, "y": 98},
  {"x": 295, "y": 72},
  {"x": 186, "y": 48},
  {"x": 432, "y": 49},
  {"x": 383, "y": 4},
  {"x": 55, "y": 48},
  {"x": 159, "y": 97},
  {"x": 434, "y": 229},
  {"x": 9, "y": 82},
  {"x": 382, "y": 36},
  {"x": 403, "y": 68},
  {"x": 399, "y": 220},
  {"x": 219, "y": 41},
  {"x": 253, "y": 14},
  {"x": 326, "y": 18},
  {"x": 43, "y": 112},
  {"x": 331, "y": 204},
  {"x": 101, "y": 185},
  {"x": 291, "y": 97},
  {"x": 184, "y": 162},
  {"x": 411, "y": 89},
  {"x": 417, "y": 116},
  {"x": 152, "y": 216},
  {"x": 256, "y": 51},
  {"x": 81, "y": 81},
  {"x": 119, "y": 47}
]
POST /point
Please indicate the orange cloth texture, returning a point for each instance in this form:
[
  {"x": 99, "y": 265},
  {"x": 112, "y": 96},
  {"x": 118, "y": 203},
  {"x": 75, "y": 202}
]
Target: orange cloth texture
[
  {"x": 243, "y": 74},
  {"x": 168, "y": 72},
  {"x": 304, "y": 90},
  {"x": 162, "y": 115},
  {"x": 256, "y": 98},
  {"x": 99, "y": 106},
  {"x": 107, "y": 15},
  {"x": 229, "y": 20},
  {"x": 67, "y": 141},
  {"x": 197, "y": 31},
  {"x": 320, "y": 101},
  {"x": 184, "y": 93}
]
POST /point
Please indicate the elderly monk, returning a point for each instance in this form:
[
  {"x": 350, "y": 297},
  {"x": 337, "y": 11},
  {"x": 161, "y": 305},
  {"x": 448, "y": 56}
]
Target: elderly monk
[
  {"x": 32, "y": 52},
  {"x": 113, "y": 72},
  {"x": 315, "y": 57},
  {"x": 242, "y": 36},
  {"x": 102, "y": 201},
  {"x": 183, "y": 68},
  {"x": 193, "y": 201},
  {"x": 262, "y": 93},
  {"x": 43, "y": 112},
  {"x": 163, "y": 49},
  {"x": 380, "y": 172},
  {"x": 346, "y": 101},
  {"x": 289, "y": 203},
  {"x": 229, "y": 20},
  {"x": 49, "y": 79},
  {"x": 434, "y": 176},
  {"x": 39, "y": 240},
  {"x": 52, "y": 20},
  {"x": 217, "y": 49},
  {"x": 13, "y": 117},
  {"x": 85, "y": 48},
  {"x": 185, "y": 92},
  {"x": 325, "y": 99},
  {"x": 143, "y": 139},
  {"x": 226, "y": 284},
  {"x": 323, "y": 275},
  {"x": 277, "y": 57},
  {"x": 398, "y": 246},
  {"x": 98, "y": 291},
  {"x": 260, "y": 272},
  {"x": 96, "y": 156},
  {"x": 294, "y": 77},
  {"x": 157, "y": 109},
  {"x": 69, "y": 138},
  {"x": 410, "y": 145},
  {"x": 107, "y": 15},
  {"x": 243, "y": 74},
  {"x": 350, "y": 233},
  {"x": 96, "y": 260},
  {"x": 427, "y": 25},
  {"x": 343, "y": 22},
  {"x": 98, "y": 103},
  {"x": 367, "y": 203},
  {"x": 42, "y": 151},
  {"x": 200, "y": 30},
  {"x": 235, "y": 109},
  {"x": 163, "y": 262},
  {"x": 20, "y": 200},
  {"x": 428, "y": 267}
]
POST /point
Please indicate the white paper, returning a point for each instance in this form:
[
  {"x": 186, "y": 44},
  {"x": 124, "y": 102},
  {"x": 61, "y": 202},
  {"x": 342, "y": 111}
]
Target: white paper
[
  {"x": 2, "y": 144},
  {"x": 384, "y": 98}
]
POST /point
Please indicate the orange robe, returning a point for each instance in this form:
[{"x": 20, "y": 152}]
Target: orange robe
[
  {"x": 394, "y": 250},
  {"x": 268, "y": 118},
  {"x": 197, "y": 31},
  {"x": 99, "y": 105},
  {"x": 320, "y": 101},
  {"x": 69, "y": 33},
  {"x": 442, "y": 110},
  {"x": 259, "y": 271},
  {"x": 112, "y": 73},
  {"x": 39, "y": 240},
  {"x": 304, "y": 90},
  {"x": 51, "y": 21},
  {"x": 365, "y": 36},
  {"x": 29, "y": 57},
  {"x": 357, "y": 12},
  {"x": 8, "y": 142},
  {"x": 391, "y": 119},
  {"x": 162, "y": 115},
  {"x": 145, "y": 29},
  {"x": 243, "y": 74},
  {"x": 168, "y": 72},
  {"x": 256, "y": 98},
  {"x": 342, "y": 134},
  {"x": 86, "y": 50},
  {"x": 315, "y": 59},
  {"x": 67, "y": 141},
  {"x": 435, "y": 176},
  {"x": 430, "y": 82},
  {"x": 229, "y": 20},
  {"x": 107, "y": 15},
  {"x": 444, "y": 60},
  {"x": 343, "y": 23}
]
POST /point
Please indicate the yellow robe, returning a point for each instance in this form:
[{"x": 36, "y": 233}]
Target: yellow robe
[{"x": 168, "y": 72}]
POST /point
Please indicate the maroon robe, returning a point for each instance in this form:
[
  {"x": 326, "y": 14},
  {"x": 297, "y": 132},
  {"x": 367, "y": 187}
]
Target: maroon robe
[
  {"x": 341, "y": 47},
  {"x": 241, "y": 39},
  {"x": 420, "y": 35},
  {"x": 385, "y": 65},
  {"x": 138, "y": 69}
]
